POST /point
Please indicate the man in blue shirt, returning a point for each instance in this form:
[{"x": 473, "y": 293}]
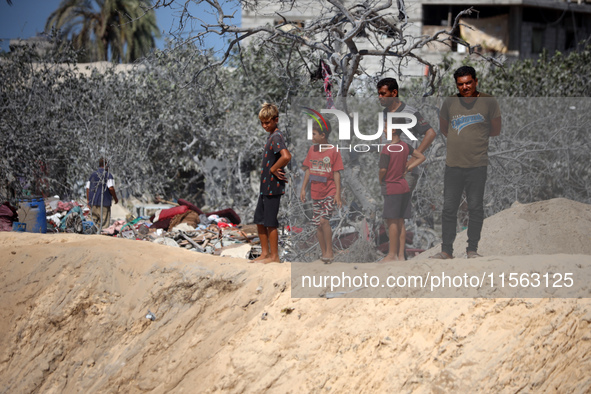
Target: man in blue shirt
[{"x": 100, "y": 192}]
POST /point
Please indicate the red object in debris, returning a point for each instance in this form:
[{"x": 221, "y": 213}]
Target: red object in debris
[
  {"x": 191, "y": 206},
  {"x": 172, "y": 212},
  {"x": 224, "y": 225},
  {"x": 294, "y": 229},
  {"x": 227, "y": 213},
  {"x": 65, "y": 205},
  {"x": 163, "y": 224},
  {"x": 8, "y": 215}
]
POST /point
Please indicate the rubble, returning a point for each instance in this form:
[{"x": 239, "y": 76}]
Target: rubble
[
  {"x": 175, "y": 224},
  {"x": 241, "y": 251}
]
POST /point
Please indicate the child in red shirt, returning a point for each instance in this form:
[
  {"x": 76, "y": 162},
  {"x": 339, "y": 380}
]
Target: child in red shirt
[
  {"x": 397, "y": 194},
  {"x": 322, "y": 168}
]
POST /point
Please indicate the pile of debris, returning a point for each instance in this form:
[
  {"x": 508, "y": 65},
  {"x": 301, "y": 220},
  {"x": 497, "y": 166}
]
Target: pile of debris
[
  {"x": 68, "y": 216},
  {"x": 187, "y": 226},
  {"x": 178, "y": 224}
]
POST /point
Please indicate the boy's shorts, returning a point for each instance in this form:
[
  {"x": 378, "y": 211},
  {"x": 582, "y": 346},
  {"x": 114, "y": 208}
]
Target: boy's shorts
[
  {"x": 267, "y": 211},
  {"x": 397, "y": 206},
  {"x": 323, "y": 209}
]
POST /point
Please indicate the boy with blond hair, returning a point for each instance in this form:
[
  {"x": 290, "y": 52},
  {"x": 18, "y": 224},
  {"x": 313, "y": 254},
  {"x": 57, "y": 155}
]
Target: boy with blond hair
[
  {"x": 273, "y": 180},
  {"x": 322, "y": 166}
]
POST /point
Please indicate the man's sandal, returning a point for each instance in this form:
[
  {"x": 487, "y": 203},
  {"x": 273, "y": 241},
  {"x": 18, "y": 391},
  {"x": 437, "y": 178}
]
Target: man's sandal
[
  {"x": 471, "y": 254},
  {"x": 441, "y": 256}
]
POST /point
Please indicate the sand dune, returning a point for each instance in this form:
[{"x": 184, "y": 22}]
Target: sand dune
[{"x": 72, "y": 319}]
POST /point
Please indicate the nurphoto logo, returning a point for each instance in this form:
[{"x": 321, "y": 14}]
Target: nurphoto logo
[{"x": 394, "y": 121}]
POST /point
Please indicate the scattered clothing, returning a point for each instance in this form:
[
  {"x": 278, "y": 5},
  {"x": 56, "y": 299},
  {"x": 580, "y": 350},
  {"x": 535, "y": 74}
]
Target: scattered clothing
[
  {"x": 8, "y": 215},
  {"x": 190, "y": 218}
]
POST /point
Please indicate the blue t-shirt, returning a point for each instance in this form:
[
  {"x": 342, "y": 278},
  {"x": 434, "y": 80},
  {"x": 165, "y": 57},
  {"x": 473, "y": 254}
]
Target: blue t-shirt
[
  {"x": 270, "y": 185},
  {"x": 99, "y": 189}
]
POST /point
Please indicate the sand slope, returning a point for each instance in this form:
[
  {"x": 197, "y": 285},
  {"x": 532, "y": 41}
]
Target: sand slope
[
  {"x": 72, "y": 319},
  {"x": 545, "y": 227}
]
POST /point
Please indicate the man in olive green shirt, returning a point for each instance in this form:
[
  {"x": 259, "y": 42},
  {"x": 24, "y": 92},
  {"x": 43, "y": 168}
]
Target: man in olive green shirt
[{"x": 467, "y": 120}]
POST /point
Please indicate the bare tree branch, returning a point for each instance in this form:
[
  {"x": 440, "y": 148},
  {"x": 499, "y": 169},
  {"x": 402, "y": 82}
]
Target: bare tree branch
[{"x": 339, "y": 32}]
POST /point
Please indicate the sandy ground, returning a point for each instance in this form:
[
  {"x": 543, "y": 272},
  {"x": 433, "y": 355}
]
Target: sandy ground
[{"x": 72, "y": 319}]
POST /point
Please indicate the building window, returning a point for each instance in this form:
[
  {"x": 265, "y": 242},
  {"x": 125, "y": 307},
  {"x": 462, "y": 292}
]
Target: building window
[
  {"x": 570, "y": 41},
  {"x": 537, "y": 40}
]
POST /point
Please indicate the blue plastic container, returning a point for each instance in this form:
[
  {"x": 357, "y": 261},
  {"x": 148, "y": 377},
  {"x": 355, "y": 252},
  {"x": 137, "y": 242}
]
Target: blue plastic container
[
  {"x": 88, "y": 227},
  {"x": 19, "y": 227},
  {"x": 32, "y": 212}
]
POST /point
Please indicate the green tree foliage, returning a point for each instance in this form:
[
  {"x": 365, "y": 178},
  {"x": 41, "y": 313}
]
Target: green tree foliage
[
  {"x": 124, "y": 28},
  {"x": 157, "y": 122},
  {"x": 559, "y": 75}
]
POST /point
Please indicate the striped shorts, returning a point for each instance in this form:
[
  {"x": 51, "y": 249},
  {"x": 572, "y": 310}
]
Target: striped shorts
[{"x": 323, "y": 209}]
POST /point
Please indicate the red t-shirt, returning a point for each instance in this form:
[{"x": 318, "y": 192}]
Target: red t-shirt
[
  {"x": 322, "y": 166},
  {"x": 393, "y": 158}
]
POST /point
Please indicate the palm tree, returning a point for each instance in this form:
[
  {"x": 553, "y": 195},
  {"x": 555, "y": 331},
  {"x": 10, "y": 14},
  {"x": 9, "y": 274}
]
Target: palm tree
[{"x": 125, "y": 28}]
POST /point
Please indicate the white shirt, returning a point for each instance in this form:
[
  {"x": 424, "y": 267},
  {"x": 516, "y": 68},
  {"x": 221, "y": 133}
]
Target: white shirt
[{"x": 110, "y": 184}]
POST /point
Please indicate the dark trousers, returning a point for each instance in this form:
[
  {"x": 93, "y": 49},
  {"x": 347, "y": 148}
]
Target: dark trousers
[{"x": 456, "y": 180}]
